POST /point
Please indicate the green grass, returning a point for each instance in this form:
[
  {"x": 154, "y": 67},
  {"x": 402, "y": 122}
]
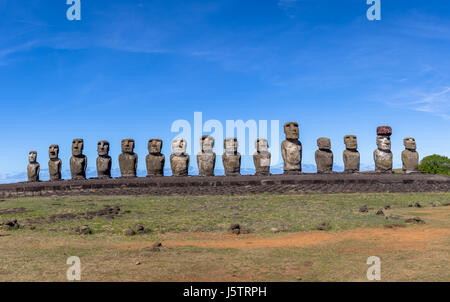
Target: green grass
[{"x": 176, "y": 214}]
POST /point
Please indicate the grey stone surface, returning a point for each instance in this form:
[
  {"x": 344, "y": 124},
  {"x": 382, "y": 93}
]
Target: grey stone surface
[
  {"x": 383, "y": 155},
  {"x": 262, "y": 156},
  {"x": 206, "y": 159},
  {"x": 291, "y": 149},
  {"x": 78, "y": 161},
  {"x": 351, "y": 155},
  {"x": 179, "y": 159},
  {"x": 155, "y": 160},
  {"x": 128, "y": 160},
  {"x": 231, "y": 158},
  {"x": 33, "y": 168},
  {"x": 324, "y": 156},
  {"x": 104, "y": 161},
  {"x": 410, "y": 157},
  {"x": 54, "y": 164}
]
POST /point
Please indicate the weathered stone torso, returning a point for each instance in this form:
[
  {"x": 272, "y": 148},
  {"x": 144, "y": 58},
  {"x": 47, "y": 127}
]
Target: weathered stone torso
[
  {"x": 410, "y": 160},
  {"x": 54, "y": 169},
  {"x": 262, "y": 163},
  {"x": 128, "y": 164},
  {"x": 232, "y": 164},
  {"x": 291, "y": 151},
  {"x": 206, "y": 162},
  {"x": 104, "y": 166},
  {"x": 155, "y": 164},
  {"x": 351, "y": 161},
  {"x": 383, "y": 161},
  {"x": 324, "y": 161},
  {"x": 33, "y": 171},
  {"x": 179, "y": 164},
  {"x": 78, "y": 166}
]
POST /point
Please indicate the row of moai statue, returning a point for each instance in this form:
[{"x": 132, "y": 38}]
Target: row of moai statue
[{"x": 291, "y": 150}]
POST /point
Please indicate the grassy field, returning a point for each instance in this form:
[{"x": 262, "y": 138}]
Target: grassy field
[{"x": 282, "y": 244}]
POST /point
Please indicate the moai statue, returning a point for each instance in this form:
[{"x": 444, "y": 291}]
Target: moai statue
[
  {"x": 78, "y": 161},
  {"x": 54, "y": 164},
  {"x": 128, "y": 160},
  {"x": 231, "y": 159},
  {"x": 104, "y": 161},
  {"x": 410, "y": 157},
  {"x": 324, "y": 156},
  {"x": 179, "y": 160},
  {"x": 155, "y": 159},
  {"x": 206, "y": 159},
  {"x": 33, "y": 167},
  {"x": 351, "y": 154},
  {"x": 291, "y": 149},
  {"x": 383, "y": 155},
  {"x": 261, "y": 158}
]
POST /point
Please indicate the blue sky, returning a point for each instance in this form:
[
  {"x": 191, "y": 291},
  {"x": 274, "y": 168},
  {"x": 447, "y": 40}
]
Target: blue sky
[{"x": 131, "y": 68}]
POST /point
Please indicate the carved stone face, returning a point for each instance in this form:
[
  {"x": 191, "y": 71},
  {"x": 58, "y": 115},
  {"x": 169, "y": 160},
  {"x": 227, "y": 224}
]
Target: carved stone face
[
  {"x": 77, "y": 147},
  {"x": 128, "y": 145},
  {"x": 32, "y": 156},
  {"x": 103, "y": 148},
  {"x": 154, "y": 146},
  {"x": 291, "y": 130},
  {"x": 324, "y": 143},
  {"x": 231, "y": 145},
  {"x": 207, "y": 143},
  {"x": 351, "y": 142},
  {"x": 410, "y": 143},
  {"x": 383, "y": 143},
  {"x": 53, "y": 152},
  {"x": 262, "y": 145},
  {"x": 179, "y": 146}
]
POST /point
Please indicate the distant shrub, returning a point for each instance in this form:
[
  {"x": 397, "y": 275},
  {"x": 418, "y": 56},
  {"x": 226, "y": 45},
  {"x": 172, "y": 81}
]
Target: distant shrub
[{"x": 435, "y": 164}]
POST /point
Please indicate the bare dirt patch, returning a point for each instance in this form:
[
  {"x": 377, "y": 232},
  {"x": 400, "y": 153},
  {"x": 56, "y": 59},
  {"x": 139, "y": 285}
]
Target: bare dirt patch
[{"x": 13, "y": 211}]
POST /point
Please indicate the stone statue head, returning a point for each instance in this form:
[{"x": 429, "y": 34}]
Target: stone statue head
[
  {"x": 207, "y": 143},
  {"x": 77, "y": 147},
  {"x": 127, "y": 145},
  {"x": 231, "y": 145},
  {"x": 351, "y": 142},
  {"x": 324, "y": 143},
  {"x": 53, "y": 152},
  {"x": 383, "y": 143},
  {"x": 262, "y": 145},
  {"x": 291, "y": 130},
  {"x": 32, "y": 156},
  {"x": 179, "y": 146},
  {"x": 103, "y": 148},
  {"x": 410, "y": 143},
  {"x": 155, "y": 146}
]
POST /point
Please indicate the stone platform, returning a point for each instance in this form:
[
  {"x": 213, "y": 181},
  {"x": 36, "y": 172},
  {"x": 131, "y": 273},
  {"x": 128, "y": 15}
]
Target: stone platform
[{"x": 229, "y": 185}]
